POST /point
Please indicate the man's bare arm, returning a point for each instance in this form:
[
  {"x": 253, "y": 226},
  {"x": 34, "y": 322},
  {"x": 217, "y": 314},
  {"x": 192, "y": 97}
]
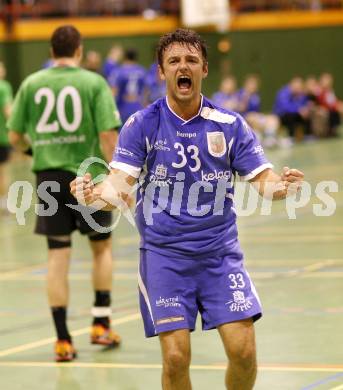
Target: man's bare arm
[
  {"x": 108, "y": 141},
  {"x": 114, "y": 192},
  {"x": 18, "y": 141},
  {"x": 7, "y": 110}
]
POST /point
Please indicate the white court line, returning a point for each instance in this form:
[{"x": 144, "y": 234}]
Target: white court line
[
  {"x": 310, "y": 270},
  {"x": 75, "y": 333},
  {"x": 23, "y": 270},
  {"x": 195, "y": 367},
  {"x": 298, "y": 272},
  {"x": 255, "y": 275},
  {"x": 25, "y": 274},
  {"x": 340, "y": 387},
  {"x": 71, "y": 276},
  {"x": 323, "y": 275}
]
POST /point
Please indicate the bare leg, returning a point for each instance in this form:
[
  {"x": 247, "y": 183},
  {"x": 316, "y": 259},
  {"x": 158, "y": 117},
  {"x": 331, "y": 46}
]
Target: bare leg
[
  {"x": 57, "y": 279},
  {"x": 239, "y": 343},
  {"x": 176, "y": 354},
  {"x": 102, "y": 264}
]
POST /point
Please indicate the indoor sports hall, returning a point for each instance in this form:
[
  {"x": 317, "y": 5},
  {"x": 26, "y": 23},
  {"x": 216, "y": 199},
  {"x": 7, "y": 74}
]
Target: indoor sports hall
[{"x": 293, "y": 248}]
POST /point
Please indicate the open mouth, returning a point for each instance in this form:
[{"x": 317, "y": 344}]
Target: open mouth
[{"x": 184, "y": 82}]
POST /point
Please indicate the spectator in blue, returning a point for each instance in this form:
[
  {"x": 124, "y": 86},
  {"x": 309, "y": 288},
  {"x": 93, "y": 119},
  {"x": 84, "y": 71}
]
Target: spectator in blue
[
  {"x": 112, "y": 62},
  {"x": 227, "y": 96},
  {"x": 249, "y": 106},
  {"x": 292, "y": 107},
  {"x": 128, "y": 85},
  {"x": 248, "y": 98}
]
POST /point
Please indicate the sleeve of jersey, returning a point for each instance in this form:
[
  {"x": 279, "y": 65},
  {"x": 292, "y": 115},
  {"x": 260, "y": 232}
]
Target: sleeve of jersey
[
  {"x": 16, "y": 121},
  {"x": 248, "y": 158},
  {"x": 130, "y": 153},
  {"x": 106, "y": 112}
]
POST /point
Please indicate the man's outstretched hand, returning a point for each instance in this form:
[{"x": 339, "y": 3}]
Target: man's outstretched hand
[
  {"x": 292, "y": 179},
  {"x": 83, "y": 189}
]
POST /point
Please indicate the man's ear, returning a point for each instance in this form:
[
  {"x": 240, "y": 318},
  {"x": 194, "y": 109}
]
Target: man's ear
[
  {"x": 79, "y": 53},
  {"x": 161, "y": 73},
  {"x": 205, "y": 70}
]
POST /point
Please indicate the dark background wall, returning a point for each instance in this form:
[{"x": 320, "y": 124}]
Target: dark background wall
[{"x": 276, "y": 55}]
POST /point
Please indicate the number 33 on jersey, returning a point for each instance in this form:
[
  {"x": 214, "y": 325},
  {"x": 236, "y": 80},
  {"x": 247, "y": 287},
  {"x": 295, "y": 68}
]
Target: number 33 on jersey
[{"x": 189, "y": 158}]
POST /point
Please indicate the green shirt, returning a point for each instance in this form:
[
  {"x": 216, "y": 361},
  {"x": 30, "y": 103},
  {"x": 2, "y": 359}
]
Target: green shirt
[
  {"x": 6, "y": 98},
  {"x": 63, "y": 110}
]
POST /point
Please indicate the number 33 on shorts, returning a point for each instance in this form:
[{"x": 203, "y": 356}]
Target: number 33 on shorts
[{"x": 236, "y": 280}]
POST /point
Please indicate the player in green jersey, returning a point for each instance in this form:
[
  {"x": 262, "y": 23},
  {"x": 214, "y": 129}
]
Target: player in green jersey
[
  {"x": 68, "y": 114},
  {"x": 5, "y": 108}
]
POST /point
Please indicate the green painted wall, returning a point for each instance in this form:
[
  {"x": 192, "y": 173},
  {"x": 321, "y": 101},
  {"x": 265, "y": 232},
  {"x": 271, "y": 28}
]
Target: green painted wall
[
  {"x": 275, "y": 55},
  {"x": 279, "y": 55}
]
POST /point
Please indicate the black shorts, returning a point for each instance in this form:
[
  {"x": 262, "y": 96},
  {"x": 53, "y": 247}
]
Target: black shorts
[
  {"x": 66, "y": 219},
  {"x": 4, "y": 153}
]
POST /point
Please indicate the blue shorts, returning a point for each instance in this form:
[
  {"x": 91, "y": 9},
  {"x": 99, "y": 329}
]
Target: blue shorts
[{"x": 174, "y": 290}]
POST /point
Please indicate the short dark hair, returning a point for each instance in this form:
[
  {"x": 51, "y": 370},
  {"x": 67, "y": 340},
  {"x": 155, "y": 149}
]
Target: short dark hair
[
  {"x": 65, "y": 40},
  {"x": 131, "y": 54},
  {"x": 184, "y": 36}
]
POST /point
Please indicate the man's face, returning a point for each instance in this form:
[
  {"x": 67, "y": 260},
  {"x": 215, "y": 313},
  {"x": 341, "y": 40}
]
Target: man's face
[
  {"x": 326, "y": 81},
  {"x": 297, "y": 86},
  {"x": 251, "y": 85},
  {"x": 183, "y": 69},
  {"x": 228, "y": 85}
]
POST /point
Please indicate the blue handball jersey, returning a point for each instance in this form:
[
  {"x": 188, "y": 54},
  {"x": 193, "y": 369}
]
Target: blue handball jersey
[
  {"x": 186, "y": 171},
  {"x": 129, "y": 80}
]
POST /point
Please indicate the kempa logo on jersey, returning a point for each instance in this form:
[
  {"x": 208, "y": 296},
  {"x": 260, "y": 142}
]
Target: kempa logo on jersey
[
  {"x": 168, "y": 302},
  {"x": 239, "y": 302},
  {"x": 216, "y": 175},
  {"x": 186, "y": 135}
]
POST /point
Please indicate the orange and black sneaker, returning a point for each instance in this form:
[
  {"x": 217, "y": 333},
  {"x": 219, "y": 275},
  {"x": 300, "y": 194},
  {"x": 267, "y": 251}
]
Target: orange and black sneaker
[
  {"x": 104, "y": 336},
  {"x": 64, "y": 351}
]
